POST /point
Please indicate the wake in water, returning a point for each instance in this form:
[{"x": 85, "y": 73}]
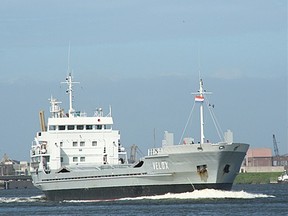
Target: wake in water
[
  {"x": 40, "y": 198},
  {"x": 205, "y": 194},
  {"x": 197, "y": 194}
]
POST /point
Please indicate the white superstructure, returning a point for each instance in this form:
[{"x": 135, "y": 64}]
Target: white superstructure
[{"x": 74, "y": 139}]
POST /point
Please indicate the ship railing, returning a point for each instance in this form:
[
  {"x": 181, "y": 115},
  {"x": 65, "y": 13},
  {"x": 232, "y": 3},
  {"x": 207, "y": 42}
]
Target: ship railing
[{"x": 154, "y": 151}]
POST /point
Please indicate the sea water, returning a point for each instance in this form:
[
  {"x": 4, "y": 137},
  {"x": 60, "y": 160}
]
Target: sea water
[{"x": 266, "y": 199}]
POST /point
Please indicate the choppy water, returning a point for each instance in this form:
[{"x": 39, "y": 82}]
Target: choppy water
[{"x": 270, "y": 199}]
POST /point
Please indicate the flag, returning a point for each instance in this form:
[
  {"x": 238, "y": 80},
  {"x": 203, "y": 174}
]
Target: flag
[{"x": 199, "y": 98}]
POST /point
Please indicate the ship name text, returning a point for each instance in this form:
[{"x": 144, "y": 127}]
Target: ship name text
[{"x": 163, "y": 165}]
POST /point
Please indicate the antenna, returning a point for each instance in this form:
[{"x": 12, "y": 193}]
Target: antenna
[
  {"x": 110, "y": 110},
  {"x": 154, "y": 137},
  {"x": 69, "y": 82},
  {"x": 199, "y": 63},
  {"x": 68, "y": 71}
]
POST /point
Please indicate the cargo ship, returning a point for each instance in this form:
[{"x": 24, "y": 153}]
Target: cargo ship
[{"x": 80, "y": 157}]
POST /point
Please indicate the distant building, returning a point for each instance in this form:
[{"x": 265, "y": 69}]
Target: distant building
[
  {"x": 6, "y": 166},
  {"x": 259, "y": 157},
  {"x": 262, "y": 160},
  {"x": 22, "y": 168},
  {"x": 10, "y": 167}
]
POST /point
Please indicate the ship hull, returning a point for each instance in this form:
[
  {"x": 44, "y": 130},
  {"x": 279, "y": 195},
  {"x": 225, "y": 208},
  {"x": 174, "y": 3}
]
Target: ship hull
[
  {"x": 177, "y": 169},
  {"x": 111, "y": 193}
]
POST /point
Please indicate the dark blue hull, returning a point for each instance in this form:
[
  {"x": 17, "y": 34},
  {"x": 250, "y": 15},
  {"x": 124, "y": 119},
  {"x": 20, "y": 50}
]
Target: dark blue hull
[{"x": 128, "y": 191}]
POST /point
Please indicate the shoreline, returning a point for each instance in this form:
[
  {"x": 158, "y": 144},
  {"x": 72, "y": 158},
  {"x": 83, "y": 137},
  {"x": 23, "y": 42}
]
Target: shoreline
[{"x": 257, "y": 178}]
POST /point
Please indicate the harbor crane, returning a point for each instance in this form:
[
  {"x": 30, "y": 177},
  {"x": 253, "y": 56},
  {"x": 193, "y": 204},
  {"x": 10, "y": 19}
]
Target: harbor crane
[{"x": 276, "y": 151}]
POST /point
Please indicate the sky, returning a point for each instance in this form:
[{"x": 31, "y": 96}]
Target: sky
[{"x": 144, "y": 59}]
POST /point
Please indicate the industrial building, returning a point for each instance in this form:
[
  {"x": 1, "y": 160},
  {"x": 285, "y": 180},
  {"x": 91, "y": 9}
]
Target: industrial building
[
  {"x": 14, "y": 174},
  {"x": 262, "y": 160}
]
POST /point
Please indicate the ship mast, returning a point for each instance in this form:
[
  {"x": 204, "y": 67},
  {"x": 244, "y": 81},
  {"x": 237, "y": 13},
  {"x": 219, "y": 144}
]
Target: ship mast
[
  {"x": 69, "y": 91},
  {"x": 200, "y": 98},
  {"x": 202, "y": 137}
]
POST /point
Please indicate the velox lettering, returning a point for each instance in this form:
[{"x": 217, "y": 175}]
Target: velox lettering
[{"x": 163, "y": 165}]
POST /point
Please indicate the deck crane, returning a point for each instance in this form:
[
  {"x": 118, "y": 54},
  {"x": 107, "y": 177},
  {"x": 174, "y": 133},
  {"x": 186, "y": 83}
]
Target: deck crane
[{"x": 276, "y": 151}]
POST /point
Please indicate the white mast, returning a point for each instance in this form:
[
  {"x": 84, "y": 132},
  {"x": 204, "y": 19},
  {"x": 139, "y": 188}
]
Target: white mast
[
  {"x": 200, "y": 98},
  {"x": 202, "y": 137},
  {"x": 69, "y": 91}
]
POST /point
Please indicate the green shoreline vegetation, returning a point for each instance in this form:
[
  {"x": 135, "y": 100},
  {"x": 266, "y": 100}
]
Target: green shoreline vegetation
[{"x": 257, "y": 178}]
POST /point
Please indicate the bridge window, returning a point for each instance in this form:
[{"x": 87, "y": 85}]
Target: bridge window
[
  {"x": 52, "y": 127},
  {"x": 80, "y": 127},
  {"x": 75, "y": 144},
  {"x": 82, "y": 159},
  {"x": 98, "y": 127},
  {"x": 107, "y": 127},
  {"x": 82, "y": 143},
  {"x": 75, "y": 159},
  {"x": 89, "y": 127},
  {"x": 94, "y": 143},
  {"x": 61, "y": 127},
  {"x": 71, "y": 127}
]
